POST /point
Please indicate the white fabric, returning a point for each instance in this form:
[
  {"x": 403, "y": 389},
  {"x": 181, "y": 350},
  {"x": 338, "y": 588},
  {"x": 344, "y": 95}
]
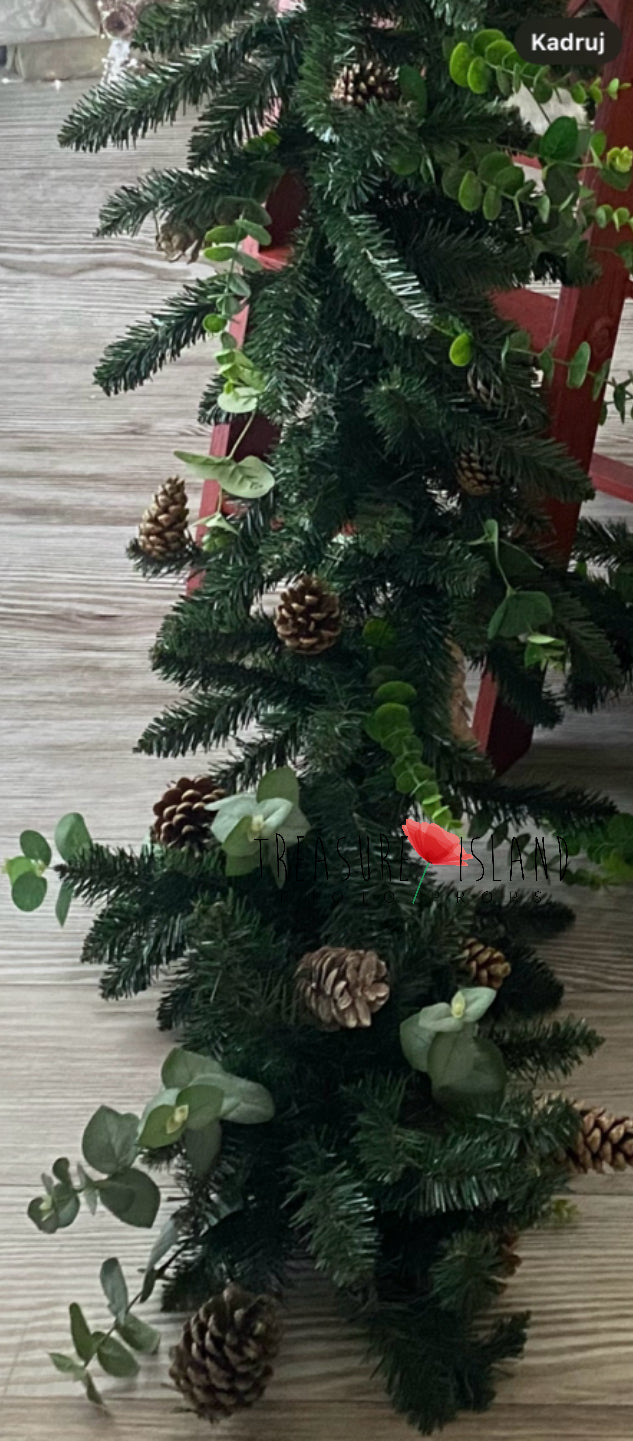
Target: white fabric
[{"x": 26, "y": 20}]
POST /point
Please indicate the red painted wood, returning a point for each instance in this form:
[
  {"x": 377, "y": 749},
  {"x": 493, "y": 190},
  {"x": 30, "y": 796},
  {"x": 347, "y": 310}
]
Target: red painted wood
[
  {"x": 612, "y": 477},
  {"x": 530, "y": 310},
  {"x": 593, "y": 315}
]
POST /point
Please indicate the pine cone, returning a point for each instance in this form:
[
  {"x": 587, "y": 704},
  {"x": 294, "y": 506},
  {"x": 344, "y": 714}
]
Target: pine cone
[
  {"x": 473, "y": 474},
  {"x": 223, "y": 1360},
  {"x": 177, "y": 241},
  {"x": 163, "y": 529},
  {"x": 185, "y": 812},
  {"x": 369, "y": 80},
  {"x": 603, "y": 1140},
  {"x": 342, "y": 988},
  {"x": 484, "y": 389},
  {"x": 119, "y": 21},
  {"x": 485, "y": 965},
  {"x": 308, "y": 616}
]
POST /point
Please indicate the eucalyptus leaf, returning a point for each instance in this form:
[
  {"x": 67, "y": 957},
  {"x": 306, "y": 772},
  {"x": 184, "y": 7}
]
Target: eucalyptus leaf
[
  {"x": 62, "y": 904},
  {"x": 36, "y": 847},
  {"x": 560, "y": 141},
  {"x": 132, "y": 1196},
  {"x": 579, "y": 366},
  {"x": 114, "y": 1287},
  {"x": 460, "y": 61},
  {"x": 203, "y": 1100},
  {"x": 91, "y": 1390},
  {"x": 28, "y": 891},
  {"x": 181, "y": 1067},
  {"x": 245, "y": 1102},
  {"x": 115, "y": 1359},
  {"x": 249, "y": 478},
  {"x": 202, "y": 1148},
  {"x": 462, "y": 349},
  {"x": 110, "y": 1140},
  {"x": 279, "y": 783},
  {"x": 468, "y": 1073},
  {"x": 19, "y": 866},
  {"x": 139, "y": 1335},
  {"x": 67, "y": 1365},
  {"x": 80, "y": 1332},
  {"x": 72, "y": 836}
]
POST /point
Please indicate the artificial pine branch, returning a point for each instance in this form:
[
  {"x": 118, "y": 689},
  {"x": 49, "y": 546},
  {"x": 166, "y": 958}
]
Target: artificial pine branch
[
  {"x": 147, "y": 347},
  {"x": 169, "y": 28}
]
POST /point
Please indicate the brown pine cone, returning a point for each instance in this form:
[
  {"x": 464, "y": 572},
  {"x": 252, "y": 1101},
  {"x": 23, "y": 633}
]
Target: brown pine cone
[
  {"x": 483, "y": 388},
  {"x": 473, "y": 474},
  {"x": 176, "y": 242},
  {"x": 308, "y": 617},
  {"x": 223, "y": 1360},
  {"x": 342, "y": 988},
  {"x": 120, "y": 20},
  {"x": 367, "y": 81},
  {"x": 485, "y": 965},
  {"x": 163, "y": 529},
  {"x": 185, "y": 812},
  {"x": 603, "y": 1140}
]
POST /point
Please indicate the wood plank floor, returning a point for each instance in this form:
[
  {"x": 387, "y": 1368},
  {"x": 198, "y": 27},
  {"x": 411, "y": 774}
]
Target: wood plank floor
[{"x": 76, "y": 625}]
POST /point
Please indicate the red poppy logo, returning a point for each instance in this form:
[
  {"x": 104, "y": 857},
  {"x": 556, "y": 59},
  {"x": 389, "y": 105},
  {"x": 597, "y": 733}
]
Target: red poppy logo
[{"x": 436, "y": 846}]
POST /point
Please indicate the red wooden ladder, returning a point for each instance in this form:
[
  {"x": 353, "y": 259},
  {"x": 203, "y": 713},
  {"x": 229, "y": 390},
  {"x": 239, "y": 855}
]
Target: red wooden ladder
[{"x": 592, "y": 314}]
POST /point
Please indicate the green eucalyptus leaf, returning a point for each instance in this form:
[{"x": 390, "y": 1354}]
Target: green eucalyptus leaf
[
  {"x": 392, "y": 719},
  {"x": 202, "y": 1148},
  {"x": 217, "y": 254},
  {"x": 418, "y": 1031},
  {"x": 80, "y": 1332},
  {"x": 281, "y": 783},
  {"x": 462, "y": 348},
  {"x": 397, "y": 691},
  {"x": 36, "y": 847},
  {"x": 67, "y": 1365},
  {"x": 115, "y": 1359},
  {"x": 132, "y": 1196},
  {"x": 91, "y": 1390},
  {"x": 579, "y": 366},
  {"x": 72, "y": 836},
  {"x": 139, "y": 1335},
  {"x": 62, "y": 904},
  {"x": 484, "y": 38},
  {"x": 468, "y": 1073},
  {"x": 19, "y": 866},
  {"x": 492, "y": 204},
  {"x": 110, "y": 1140},
  {"x": 249, "y": 478},
  {"x": 519, "y": 613},
  {"x": 204, "y": 1100},
  {"x": 560, "y": 141},
  {"x": 114, "y": 1287},
  {"x": 163, "y": 1122},
  {"x": 245, "y": 1102},
  {"x": 239, "y": 401},
  {"x": 181, "y": 1067},
  {"x": 42, "y": 1213},
  {"x": 470, "y": 196},
  {"x": 28, "y": 891},
  {"x": 460, "y": 62},
  {"x": 479, "y": 76}
]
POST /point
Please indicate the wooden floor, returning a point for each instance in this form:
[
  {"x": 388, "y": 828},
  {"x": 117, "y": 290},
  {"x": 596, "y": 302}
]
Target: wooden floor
[{"x": 76, "y": 470}]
